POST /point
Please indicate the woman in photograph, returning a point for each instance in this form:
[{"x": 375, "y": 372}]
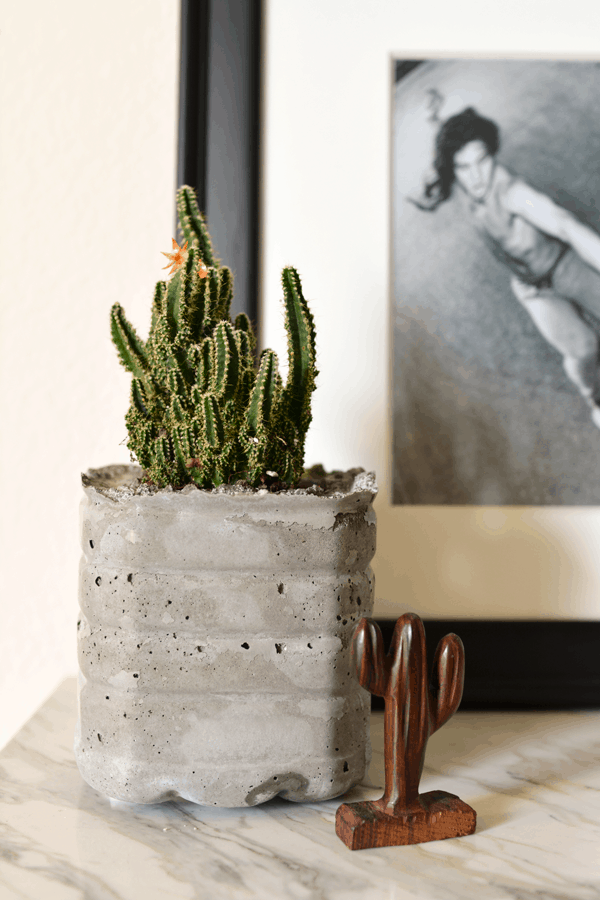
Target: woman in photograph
[{"x": 553, "y": 257}]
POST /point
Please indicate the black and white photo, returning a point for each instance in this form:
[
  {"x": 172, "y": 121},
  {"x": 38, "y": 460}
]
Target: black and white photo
[{"x": 496, "y": 282}]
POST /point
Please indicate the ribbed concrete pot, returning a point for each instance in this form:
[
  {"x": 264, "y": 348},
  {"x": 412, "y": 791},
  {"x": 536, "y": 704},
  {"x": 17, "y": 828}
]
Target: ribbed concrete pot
[{"x": 214, "y": 642}]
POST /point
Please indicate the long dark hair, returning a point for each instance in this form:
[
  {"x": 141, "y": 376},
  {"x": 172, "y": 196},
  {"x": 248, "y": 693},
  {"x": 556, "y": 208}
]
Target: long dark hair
[{"x": 455, "y": 133}]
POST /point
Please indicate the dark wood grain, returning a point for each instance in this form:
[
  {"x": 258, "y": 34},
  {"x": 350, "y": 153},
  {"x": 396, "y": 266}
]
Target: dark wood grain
[
  {"x": 415, "y": 707},
  {"x": 439, "y": 815}
]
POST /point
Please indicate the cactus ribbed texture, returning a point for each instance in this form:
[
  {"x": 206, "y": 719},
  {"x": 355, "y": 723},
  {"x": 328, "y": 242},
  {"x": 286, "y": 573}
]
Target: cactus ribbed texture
[
  {"x": 200, "y": 411},
  {"x": 414, "y": 707}
]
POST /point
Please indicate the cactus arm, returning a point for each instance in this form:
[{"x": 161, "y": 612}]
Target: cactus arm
[
  {"x": 197, "y": 311},
  {"x": 141, "y": 437},
  {"x": 256, "y": 434},
  {"x": 196, "y": 302},
  {"x": 176, "y": 291},
  {"x": 178, "y": 313},
  {"x": 301, "y": 346},
  {"x": 172, "y": 303},
  {"x": 225, "y": 293},
  {"x": 197, "y": 398},
  {"x": 181, "y": 446},
  {"x": 177, "y": 411},
  {"x": 247, "y": 374},
  {"x": 293, "y": 415},
  {"x": 175, "y": 379},
  {"x": 184, "y": 298},
  {"x": 369, "y": 659},
  {"x": 287, "y": 467},
  {"x": 160, "y": 346},
  {"x": 213, "y": 424},
  {"x": 226, "y": 362},
  {"x": 264, "y": 393},
  {"x": 162, "y": 453},
  {"x": 449, "y": 678},
  {"x": 193, "y": 224},
  {"x": 157, "y": 306},
  {"x": 205, "y": 365},
  {"x": 210, "y": 287},
  {"x": 138, "y": 397},
  {"x": 130, "y": 348},
  {"x": 243, "y": 324}
]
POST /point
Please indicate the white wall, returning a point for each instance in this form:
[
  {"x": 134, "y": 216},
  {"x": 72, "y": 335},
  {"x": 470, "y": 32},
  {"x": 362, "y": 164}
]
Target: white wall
[
  {"x": 88, "y": 98},
  {"x": 327, "y": 210}
]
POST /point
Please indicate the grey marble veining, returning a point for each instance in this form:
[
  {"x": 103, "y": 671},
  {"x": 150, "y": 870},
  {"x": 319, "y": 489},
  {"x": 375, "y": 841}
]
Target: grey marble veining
[{"x": 534, "y": 779}]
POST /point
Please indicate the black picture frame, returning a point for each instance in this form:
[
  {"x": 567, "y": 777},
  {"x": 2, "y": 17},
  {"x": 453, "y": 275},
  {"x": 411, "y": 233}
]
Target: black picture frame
[
  {"x": 522, "y": 664},
  {"x": 535, "y": 664},
  {"x": 219, "y": 131}
]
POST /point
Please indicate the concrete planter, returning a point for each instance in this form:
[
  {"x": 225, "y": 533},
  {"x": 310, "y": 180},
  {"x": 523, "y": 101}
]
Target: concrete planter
[{"x": 214, "y": 642}]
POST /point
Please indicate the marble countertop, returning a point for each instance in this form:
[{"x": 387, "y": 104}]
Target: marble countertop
[{"x": 534, "y": 779}]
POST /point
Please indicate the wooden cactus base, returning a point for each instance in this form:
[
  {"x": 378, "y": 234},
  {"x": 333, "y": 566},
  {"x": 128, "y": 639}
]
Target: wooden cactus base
[{"x": 438, "y": 815}]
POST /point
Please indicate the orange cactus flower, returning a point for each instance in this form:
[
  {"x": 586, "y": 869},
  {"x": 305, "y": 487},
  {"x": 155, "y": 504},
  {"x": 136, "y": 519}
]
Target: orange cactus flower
[
  {"x": 177, "y": 258},
  {"x": 202, "y": 270}
]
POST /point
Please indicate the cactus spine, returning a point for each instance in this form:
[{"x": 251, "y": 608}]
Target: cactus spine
[
  {"x": 414, "y": 708},
  {"x": 200, "y": 411}
]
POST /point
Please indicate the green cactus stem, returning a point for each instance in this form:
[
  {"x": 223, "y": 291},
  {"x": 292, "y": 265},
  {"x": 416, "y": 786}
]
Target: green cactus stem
[
  {"x": 201, "y": 411},
  {"x": 414, "y": 707}
]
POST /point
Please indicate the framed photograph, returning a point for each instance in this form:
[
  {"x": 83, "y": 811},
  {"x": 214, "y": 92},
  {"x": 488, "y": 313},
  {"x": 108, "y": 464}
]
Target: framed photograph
[
  {"x": 518, "y": 585},
  {"x": 496, "y": 281}
]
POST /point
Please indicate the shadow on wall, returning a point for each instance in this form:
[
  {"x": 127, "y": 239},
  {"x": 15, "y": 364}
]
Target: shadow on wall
[{"x": 483, "y": 412}]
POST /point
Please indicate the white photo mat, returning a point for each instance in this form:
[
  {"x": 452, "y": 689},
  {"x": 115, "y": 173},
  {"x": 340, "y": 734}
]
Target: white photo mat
[{"x": 327, "y": 210}]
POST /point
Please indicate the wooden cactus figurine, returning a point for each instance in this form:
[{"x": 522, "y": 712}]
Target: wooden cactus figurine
[{"x": 414, "y": 709}]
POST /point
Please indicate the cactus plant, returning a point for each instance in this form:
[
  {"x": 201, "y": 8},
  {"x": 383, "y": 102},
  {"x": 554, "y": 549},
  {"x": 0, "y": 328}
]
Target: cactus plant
[{"x": 201, "y": 410}]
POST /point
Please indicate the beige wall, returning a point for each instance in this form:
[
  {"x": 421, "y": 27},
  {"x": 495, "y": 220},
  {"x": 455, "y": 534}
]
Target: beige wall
[
  {"x": 88, "y": 96},
  {"x": 327, "y": 209}
]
